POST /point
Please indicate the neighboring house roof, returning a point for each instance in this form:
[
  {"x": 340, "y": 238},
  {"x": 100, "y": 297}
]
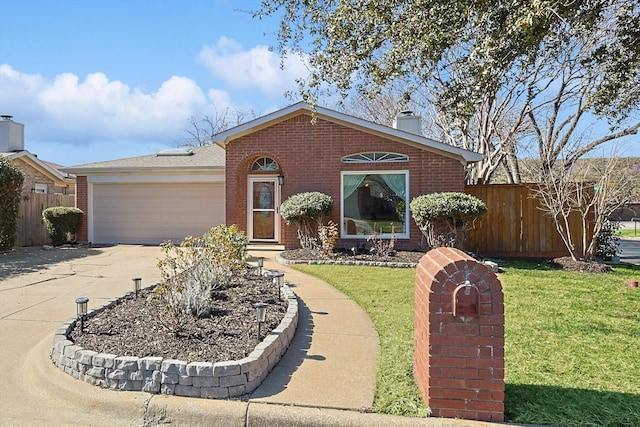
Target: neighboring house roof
[
  {"x": 224, "y": 138},
  {"x": 50, "y": 170},
  {"x": 202, "y": 158},
  {"x": 58, "y": 168}
]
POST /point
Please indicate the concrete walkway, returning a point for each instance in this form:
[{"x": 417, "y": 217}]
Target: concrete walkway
[
  {"x": 328, "y": 371},
  {"x": 334, "y": 356}
]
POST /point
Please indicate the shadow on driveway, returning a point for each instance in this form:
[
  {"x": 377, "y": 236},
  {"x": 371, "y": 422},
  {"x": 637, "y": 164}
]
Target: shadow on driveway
[{"x": 35, "y": 258}]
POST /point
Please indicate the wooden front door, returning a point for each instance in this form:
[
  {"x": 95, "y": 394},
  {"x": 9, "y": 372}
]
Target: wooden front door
[{"x": 264, "y": 197}]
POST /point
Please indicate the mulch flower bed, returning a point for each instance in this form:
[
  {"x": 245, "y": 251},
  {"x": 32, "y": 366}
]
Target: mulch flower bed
[
  {"x": 136, "y": 327},
  {"x": 411, "y": 257},
  {"x": 567, "y": 263}
]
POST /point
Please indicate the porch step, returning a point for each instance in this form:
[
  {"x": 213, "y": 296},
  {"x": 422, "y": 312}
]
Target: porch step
[{"x": 265, "y": 247}]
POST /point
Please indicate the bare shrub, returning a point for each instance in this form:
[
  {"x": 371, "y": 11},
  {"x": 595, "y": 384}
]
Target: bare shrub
[
  {"x": 192, "y": 271},
  {"x": 382, "y": 247},
  {"x": 328, "y": 235}
]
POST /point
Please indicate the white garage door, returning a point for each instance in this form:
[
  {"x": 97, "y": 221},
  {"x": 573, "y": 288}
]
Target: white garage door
[{"x": 153, "y": 213}]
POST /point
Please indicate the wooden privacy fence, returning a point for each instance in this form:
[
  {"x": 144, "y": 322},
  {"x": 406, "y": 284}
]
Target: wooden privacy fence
[
  {"x": 515, "y": 227},
  {"x": 31, "y": 229}
]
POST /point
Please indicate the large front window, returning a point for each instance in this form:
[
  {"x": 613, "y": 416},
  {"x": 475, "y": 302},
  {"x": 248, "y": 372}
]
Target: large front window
[{"x": 375, "y": 202}]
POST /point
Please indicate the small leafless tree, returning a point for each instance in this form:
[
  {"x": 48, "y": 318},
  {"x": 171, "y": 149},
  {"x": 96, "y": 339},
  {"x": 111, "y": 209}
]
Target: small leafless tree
[
  {"x": 200, "y": 129},
  {"x": 592, "y": 189},
  {"x": 388, "y": 103},
  {"x": 613, "y": 188},
  {"x": 557, "y": 195}
]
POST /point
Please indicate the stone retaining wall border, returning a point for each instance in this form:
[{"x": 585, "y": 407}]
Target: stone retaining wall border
[{"x": 175, "y": 377}]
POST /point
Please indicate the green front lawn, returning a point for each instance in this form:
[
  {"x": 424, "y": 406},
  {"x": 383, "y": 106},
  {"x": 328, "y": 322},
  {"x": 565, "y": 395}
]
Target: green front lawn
[
  {"x": 629, "y": 233},
  {"x": 572, "y": 341}
]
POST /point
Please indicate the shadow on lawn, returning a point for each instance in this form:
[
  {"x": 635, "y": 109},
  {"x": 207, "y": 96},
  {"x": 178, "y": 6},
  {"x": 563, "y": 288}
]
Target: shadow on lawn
[
  {"x": 549, "y": 265},
  {"x": 569, "y": 407}
]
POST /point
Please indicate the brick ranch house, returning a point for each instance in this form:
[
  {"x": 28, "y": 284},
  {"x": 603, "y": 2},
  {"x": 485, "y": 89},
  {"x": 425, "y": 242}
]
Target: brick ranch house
[{"x": 371, "y": 171}]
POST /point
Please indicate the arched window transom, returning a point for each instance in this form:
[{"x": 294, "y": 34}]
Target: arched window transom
[
  {"x": 375, "y": 157},
  {"x": 265, "y": 164}
]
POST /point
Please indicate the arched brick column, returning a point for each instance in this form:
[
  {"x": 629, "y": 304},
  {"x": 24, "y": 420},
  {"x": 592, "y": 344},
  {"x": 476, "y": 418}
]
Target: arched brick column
[{"x": 459, "y": 358}]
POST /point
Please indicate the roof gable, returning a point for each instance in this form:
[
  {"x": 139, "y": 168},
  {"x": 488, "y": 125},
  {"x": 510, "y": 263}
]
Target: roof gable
[
  {"x": 226, "y": 137},
  {"x": 47, "y": 169}
]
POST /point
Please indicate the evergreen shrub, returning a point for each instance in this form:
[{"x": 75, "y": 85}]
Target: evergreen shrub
[
  {"x": 307, "y": 211},
  {"x": 11, "y": 180},
  {"x": 444, "y": 217},
  {"x": 62, "y": 223}
]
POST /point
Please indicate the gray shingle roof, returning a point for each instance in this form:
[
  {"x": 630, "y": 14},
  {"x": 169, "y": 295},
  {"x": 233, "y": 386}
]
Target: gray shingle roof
[{"x": 209, "y": 157}]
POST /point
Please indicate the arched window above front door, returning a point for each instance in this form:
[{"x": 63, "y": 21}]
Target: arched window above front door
[{"x": 265, "y": 164}]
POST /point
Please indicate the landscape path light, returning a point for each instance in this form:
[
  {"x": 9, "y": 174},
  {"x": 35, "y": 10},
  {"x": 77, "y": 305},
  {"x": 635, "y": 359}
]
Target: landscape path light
[
  {"x": 278, "y": 280},
  {"x": 261, "y": 315},
  {"x": 136, "y": 285},
  {"x": 260, "y": 265},
  {"x": 81, "y": 306}
]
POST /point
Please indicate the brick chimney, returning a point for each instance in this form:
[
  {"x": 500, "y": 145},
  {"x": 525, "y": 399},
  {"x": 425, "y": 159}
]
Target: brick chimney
[
  {"x": 11, "y": 134},
  {"x": 408, "y": 122}
]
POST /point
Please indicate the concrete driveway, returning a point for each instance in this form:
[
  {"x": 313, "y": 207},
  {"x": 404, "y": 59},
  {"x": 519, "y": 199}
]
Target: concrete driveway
[
  {"x": 630, "y": 251},
  {"x": 38, "y": 289}
]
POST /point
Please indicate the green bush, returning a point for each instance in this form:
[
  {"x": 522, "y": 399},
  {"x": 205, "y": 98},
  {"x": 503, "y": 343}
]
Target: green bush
[
  {"x": 307, "y": 211},
  {"x": 62, "y": 223},
  {"x": 227, "y": 246},
  {"x": 443, "y": 217},
  {"x": 608, "y": 241},
  {"x": 11, "y": 180}
]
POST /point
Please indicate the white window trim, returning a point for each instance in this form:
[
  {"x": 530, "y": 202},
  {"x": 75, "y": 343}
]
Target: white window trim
[
  {"x": 343, "y": 231},
  {"x": 41, "y": 188}
]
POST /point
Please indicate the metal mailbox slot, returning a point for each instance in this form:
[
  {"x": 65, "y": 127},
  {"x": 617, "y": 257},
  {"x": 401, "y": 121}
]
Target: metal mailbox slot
[{"x": 466, "y": 300}]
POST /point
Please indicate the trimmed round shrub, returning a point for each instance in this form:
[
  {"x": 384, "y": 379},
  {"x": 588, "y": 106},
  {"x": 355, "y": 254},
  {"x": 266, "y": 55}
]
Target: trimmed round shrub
[
  {"x": 307, "y": 211},
  {"x": 62, "y": 223},
  {"x": 11, "y": 180},
  {"x": 443, "y": 217}
]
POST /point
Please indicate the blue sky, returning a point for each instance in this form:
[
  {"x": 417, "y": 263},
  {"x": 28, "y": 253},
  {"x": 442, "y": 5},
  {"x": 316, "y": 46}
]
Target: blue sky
[
  {"x": 105, "y": 79},
  {"x": 97, "y": 80}
]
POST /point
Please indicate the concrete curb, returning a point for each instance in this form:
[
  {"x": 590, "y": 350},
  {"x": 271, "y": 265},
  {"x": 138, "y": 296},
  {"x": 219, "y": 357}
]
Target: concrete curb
[{"x": 186, "y": 412}]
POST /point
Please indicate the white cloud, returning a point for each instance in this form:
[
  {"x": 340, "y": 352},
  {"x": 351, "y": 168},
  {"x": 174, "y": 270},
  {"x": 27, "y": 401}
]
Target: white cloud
[
  {"x": 88, "y": 114},
  {"x": 220, "y": 98},
  {"x": 19, "y": 93},
  {"x": 257, "y": 68},
  {"x": 69, "y": 109},
  {"x": 115, "y": 110}
]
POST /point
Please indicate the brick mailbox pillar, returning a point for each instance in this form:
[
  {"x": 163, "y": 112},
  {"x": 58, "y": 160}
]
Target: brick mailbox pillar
[{"x": 459, "y": 336}]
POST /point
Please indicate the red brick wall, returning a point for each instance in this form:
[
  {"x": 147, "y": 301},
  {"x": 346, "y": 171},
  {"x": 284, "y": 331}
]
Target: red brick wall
[
  {"x": 82, "y": 204},
  {"x": 459, "y": 361},
  {"x": 310, "y": 159}
]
